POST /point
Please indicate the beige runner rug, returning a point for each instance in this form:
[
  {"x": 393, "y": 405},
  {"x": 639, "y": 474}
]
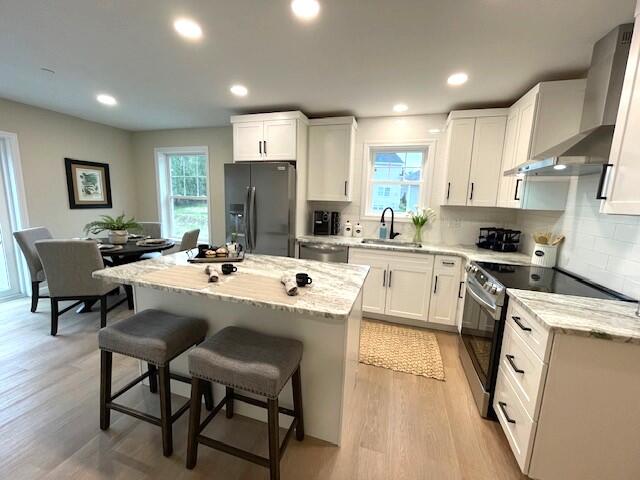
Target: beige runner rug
[{"x": 400, "y": 348}]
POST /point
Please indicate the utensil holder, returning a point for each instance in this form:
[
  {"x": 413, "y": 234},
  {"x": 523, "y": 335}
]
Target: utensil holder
[{"x": 544, "y": 255}]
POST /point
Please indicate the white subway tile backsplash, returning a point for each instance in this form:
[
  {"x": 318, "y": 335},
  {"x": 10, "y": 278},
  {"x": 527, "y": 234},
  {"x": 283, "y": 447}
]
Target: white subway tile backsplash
[{"x": 602, "y": 248}]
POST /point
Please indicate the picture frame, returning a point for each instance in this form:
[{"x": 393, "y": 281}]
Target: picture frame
[{"x": 88, "y": 184}]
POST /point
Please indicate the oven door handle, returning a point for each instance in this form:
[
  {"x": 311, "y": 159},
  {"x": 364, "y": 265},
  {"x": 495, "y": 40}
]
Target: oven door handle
[{"x": 492, "y": 308}]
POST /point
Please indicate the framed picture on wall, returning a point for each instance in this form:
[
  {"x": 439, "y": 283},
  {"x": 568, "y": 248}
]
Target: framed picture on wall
[{"x": 88, "y": 184}]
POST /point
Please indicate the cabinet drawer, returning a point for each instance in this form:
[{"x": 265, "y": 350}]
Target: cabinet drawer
[
  {"x": 445, "y": 263},
  {"x": 517, "y": 425},
  {"x": 534, "y": 334},
  {"x": 524, "y": 369}
]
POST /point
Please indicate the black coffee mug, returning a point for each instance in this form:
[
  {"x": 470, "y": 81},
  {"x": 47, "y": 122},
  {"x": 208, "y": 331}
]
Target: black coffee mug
[
  {"x": 203, "y": 247},
  {"x": 302, "y": 279},
  {"x": 227, "y": 268}
]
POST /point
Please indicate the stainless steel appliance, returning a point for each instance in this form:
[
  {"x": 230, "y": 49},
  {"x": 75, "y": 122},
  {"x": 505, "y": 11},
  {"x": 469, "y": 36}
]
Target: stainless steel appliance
[
  {"x": 326, "y": 223},
  {"x": 485, "y": 309},
  {"x": 588, "y": 151},
  {"x": 260, "y": 206},
  {"x": 324, "y": 253}
]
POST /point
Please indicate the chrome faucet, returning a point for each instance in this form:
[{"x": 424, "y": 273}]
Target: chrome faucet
[{"x": 392, "y": 234}]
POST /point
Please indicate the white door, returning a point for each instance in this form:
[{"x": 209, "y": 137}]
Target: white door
[
  {"x": 409, "y": 289},
  {"x": 486, "y": 160},
  {"x": 445, "y": 291},
  {"x": 329, "y": 163},
  {"x": 460, "y": 148},
  {"x": 506, "y": 189},
  {"x": 9, "y": 277},
  {"x": 526, "y": 124},
  {"x": 279, "y": 140},
  {"x": 621, "y": 195},
  {"x": 374, "y": 291},
  {"x": 247, "y": 141}
]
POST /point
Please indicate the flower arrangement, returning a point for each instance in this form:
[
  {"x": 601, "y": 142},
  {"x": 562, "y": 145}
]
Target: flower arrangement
[{"x": 419, "y": 218}]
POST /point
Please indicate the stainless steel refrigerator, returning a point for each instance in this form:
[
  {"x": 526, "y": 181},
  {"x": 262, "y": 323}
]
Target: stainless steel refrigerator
[{"x": 260, "y": 206}]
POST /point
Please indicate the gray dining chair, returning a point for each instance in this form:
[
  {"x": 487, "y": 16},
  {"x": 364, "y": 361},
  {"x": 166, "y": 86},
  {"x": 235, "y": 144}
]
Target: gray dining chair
[
  {"x": 26, "y": 241},
  {"x": 68, "y": 265},
  {"x": 151, "y": 229},
  {"x": 189, "y": 240}
]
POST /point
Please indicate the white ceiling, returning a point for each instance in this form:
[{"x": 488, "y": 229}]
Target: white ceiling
[{"x": 359, "y": 56}]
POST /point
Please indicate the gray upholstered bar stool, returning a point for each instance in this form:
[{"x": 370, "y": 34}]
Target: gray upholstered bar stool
[
  {"x": 250, "y": 361},
  {"x": 155, "y": 337}
]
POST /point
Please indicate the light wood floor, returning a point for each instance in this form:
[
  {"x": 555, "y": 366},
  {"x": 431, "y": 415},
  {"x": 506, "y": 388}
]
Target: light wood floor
[{"x": 400, "y": 426}]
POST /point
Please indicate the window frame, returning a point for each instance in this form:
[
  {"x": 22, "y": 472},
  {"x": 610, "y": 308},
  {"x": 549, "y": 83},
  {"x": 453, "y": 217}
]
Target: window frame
[
  {"x": 368, "y": 183},
  {"x": 164, "y": 188}
]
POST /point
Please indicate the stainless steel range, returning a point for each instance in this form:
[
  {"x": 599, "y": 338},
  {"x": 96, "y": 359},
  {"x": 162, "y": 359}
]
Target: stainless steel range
[{"x": 485, "y": 309}]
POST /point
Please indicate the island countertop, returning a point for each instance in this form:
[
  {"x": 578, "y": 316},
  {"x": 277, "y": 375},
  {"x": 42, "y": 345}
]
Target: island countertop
[{"x": 332, "y": 294}]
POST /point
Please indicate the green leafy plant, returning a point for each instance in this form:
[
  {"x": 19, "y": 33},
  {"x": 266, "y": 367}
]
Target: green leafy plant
[{"x": 107, "y": 222}]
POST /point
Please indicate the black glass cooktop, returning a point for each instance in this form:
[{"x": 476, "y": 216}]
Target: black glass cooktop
[{"x": 549, "y": 280}]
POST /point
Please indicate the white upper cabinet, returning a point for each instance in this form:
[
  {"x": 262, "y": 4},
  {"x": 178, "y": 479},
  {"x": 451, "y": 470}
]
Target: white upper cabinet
[
  {"x": 475, "y": 140},
  {"x": 622, "y": 195},
  {"x": 507, "y": 195},
  {"x": 266, "y": 136},
  {"x": 331, "y": 153}
]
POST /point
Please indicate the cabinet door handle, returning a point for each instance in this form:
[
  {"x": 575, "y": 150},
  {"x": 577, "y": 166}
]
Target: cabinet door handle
[
  {"x": 510, "y": 359},
  {"x": 603, "y": 176},
  {"x": 345, "y": 188},
  {"x": 447, "y": 262},
  {"x": 265, "y": 147},
  {"x": 260, "y": 146},
  {"x": 520, "y": 324},
  {"x": 448, "y": 189},
  {"x": 390, "y": 272},
  {"x": 435, "y": 285},
  {"x": 384, "y": 278},
  {"x": 515, "y": 195},
  {"x": 460, "y": 289},
  {"x": 503, "y": 406},
  {"x": 471, "y": 195}
]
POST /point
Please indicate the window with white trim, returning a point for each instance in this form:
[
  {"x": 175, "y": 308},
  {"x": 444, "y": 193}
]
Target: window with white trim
[
  {"x": 396, "y": 179},
  {"x": 183, "y": 181}
]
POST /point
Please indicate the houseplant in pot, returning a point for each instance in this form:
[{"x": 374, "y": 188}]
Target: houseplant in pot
[
  {"x": 117, "y": 227},
  {"x": 420, "y": 218}
]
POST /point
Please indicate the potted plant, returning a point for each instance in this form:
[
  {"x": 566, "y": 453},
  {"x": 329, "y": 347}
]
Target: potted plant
[
  {"x": 420, "y": 218},
  {"x": 118, "y": 227}
]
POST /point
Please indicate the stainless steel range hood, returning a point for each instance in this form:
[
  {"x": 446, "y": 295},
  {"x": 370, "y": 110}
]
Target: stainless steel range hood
[{"x": 586, "y": 152}]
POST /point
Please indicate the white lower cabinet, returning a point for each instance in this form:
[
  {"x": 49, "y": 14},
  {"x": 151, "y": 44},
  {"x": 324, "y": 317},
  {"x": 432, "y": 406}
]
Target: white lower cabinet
[{"x": 411, "y": 286}]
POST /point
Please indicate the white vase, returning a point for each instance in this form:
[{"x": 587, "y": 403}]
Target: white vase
[{"x": 118, "y": 237}]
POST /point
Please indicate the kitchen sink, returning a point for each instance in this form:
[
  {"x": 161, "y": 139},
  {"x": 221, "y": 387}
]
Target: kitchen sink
[{"x": 394, "y": 243}]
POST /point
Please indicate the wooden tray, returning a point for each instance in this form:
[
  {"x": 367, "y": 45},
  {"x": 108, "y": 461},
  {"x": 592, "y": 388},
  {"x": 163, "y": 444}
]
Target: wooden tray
[{"x": 229, "y": 259}]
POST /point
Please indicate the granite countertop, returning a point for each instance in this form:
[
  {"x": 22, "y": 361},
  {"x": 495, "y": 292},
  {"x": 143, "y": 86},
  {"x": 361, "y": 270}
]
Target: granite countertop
[
  {"x": 468, "y": 252},
  {"x": 593, "y": 317},
  {"x": 332, "y": 294}
]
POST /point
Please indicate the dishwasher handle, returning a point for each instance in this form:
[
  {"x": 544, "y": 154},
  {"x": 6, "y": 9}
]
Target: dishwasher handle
[{"x": 323, "y": 247}]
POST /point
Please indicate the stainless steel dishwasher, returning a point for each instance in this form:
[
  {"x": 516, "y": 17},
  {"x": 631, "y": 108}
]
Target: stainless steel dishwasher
[{"x": 324, "y": 252}]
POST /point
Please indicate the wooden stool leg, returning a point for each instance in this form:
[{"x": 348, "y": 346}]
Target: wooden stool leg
[
  {"x": 207, "y": 390},
  {"x": 274, "y": 439},
  {"x": 194, "y": 421},
  {"x": 35, "y": 295},
  {"x": 229, "y": 402},
  {"x": 297, "y": 403},
  {"x": 153, "y": 378},
  {"x": 165, "y": 411},
  {"x": 105, "y": 388},
  {"x": 103, "y": 311},
  {"x": 54, "y": 316}
]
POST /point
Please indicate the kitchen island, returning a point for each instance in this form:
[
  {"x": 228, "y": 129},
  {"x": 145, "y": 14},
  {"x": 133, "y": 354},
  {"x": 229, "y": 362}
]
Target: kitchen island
[{"x": 325, "y": 317}]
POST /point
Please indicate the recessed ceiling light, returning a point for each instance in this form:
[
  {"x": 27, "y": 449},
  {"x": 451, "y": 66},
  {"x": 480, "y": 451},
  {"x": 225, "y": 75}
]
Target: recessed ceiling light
[
  {"x": 434, "y": 130},
  {"x": 305, "y": 9},
  {"x": 457, "y": 78},
  {"x": 239, "y": 90},
  {"x": 559, "y": 167},
  {"x": 105, "y": 99},
  {"x": 188, "y": 28},
  {"x": 400, "y": 107}
]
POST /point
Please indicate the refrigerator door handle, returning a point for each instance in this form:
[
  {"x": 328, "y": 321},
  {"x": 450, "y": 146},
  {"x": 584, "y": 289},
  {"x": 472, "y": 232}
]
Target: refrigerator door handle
[
  {"x": 252, "y": 215},
  {"x": 247, "y": 220}
]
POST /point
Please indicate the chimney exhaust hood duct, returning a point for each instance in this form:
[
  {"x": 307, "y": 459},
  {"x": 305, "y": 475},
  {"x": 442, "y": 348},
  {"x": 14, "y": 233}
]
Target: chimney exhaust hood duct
[{"x": 588, "y": 151}]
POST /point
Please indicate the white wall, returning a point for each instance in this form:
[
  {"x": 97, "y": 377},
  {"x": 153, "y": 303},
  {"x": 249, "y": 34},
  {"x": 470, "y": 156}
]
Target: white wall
[
  {"x": 219, "y": 141},
  {"x": 45, "y": 138},
  {"x": 603, "y": 248},
  {"x": 453, "y": 225}
]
